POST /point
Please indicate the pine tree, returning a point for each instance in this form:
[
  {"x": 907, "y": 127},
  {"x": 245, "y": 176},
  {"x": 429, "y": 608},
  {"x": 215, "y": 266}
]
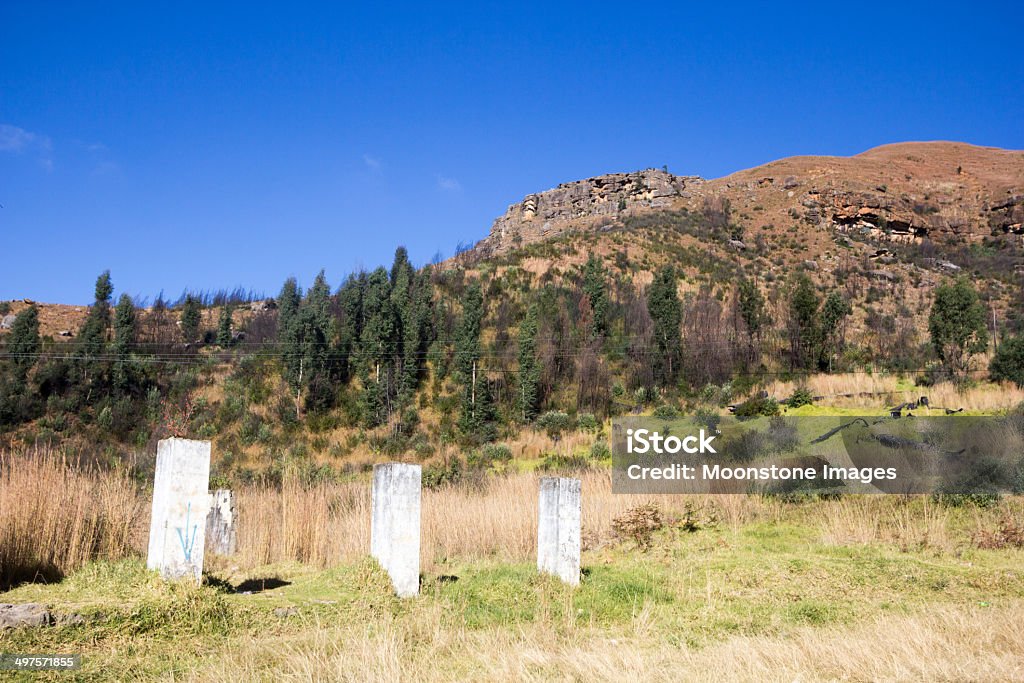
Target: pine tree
[
  {"x": 402, "y": 281},
  {"x": 416, "y": 335},
  {"x": 125, "y": 326},
  {"x": 191, "y": 318},
  {"x": 350, "y": 303},
  {"x": 306, "y": 345},
  {"x": 478, "y": 414},
  {"x": 834, "y": 312},
  {"x": 92, "y": 338},
  {"x": 287, "y": 305},
  {"x": 376, "y": 345},
  {"x": 751, "y": 308},
  {"x": 23, "y": 344},
  {"x": 529, "y": 370},
  {"x": 595, "y": 285},
  {"x": 224, "y": 334},
  {"x": 804, "y": 331},
  {"x": 666, "y": 312},
  {"x": 125, "y": 332}
]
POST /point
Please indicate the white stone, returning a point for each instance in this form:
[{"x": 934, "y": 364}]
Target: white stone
[
  {"x": 395, "y": 529},
  {"x": 177, "y": 529},
  {"x": 558, "y": 530},
  {"x": 221, "y": 535}
]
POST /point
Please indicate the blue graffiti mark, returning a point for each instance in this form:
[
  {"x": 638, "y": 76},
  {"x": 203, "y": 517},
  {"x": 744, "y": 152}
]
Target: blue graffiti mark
[{"x": 188, "y": 542}]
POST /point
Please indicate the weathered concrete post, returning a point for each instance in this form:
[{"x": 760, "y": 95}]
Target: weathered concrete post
[
  {"x": 395, "y": 529},
  {"x": 558, "y": 530},
  {"x": 221, "y": 535},
  {"x": 177, "y": 529}
]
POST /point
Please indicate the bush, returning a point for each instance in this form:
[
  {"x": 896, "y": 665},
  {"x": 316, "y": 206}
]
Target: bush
[
  {"x": 1008, "y": 363},
  {"x": 1009, "y": 533},
  {"x": 638, "y": 524},
  {"x": 553, "y": 462},
  {"x": 488, "y": 455},
  {"x": 555, "y": 422},
  {"x": 708, "y": 418},
  {"x": 600, "y": 451},
  {"x": 442, "y": 474},
  {"x": 666, "y": 411},
  {"x": 758, "y": 406},
  {"x": 588, "y": 422},
  {"x": 801, "y": 397}
]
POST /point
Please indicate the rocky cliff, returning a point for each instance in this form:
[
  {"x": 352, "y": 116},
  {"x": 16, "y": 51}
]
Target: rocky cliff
[{"x": 903, "y": 192}]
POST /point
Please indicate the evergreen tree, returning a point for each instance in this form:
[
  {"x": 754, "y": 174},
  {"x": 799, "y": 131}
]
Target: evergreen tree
[
  {"x": 666, "y": 313},
  {"x": 834, "y": 312},
  {"x": 191, "y": 318},
  {"x": 125, "y": 326},
  {"x": 1008, "y": 362},
  {"x": 478, "y": 414},
  {"x": 402, "y": 281},
  {"x": 376, "y": 345},
  {"x": 350, "y": 303},
  {"x": 416, "y": 334},
  {"x": 595, "y": 285},
  {"x": 287, "y": 305},
  {"x": 17, "y": 403},
  {"x": 23, "y": 344},
  {"x": 224, "y": 335},
  {"x": 92, "y": 338},
  {"x": 803, "y": 322},
  {"x": 401, "y": 267},
  {"x": 125, "y": 333},
  {"x": 957, "y": 325},
  {"x": 751, "y": 308},
  {"x": 306, "y": 344},
  {"x": 528, "y": 398}
]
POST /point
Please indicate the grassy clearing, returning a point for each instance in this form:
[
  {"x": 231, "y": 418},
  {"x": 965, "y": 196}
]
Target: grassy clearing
[
  {"x": 780, "y": 598},
  {"x": 861, "y": 588}
]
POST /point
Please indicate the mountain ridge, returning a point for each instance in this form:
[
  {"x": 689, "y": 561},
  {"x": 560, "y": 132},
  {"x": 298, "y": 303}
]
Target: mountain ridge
[{"x": 906, "y": 190}]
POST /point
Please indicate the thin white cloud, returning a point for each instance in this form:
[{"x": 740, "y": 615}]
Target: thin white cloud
[
  {"x": 14, "y": 139},
  {"x": 18, "y": 140},
  {"x": 448, "y": 184},
  {"x": 372, "y": 163}
]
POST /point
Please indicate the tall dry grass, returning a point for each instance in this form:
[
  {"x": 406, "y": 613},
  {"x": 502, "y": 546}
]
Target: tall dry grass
[
  {"x": 55, "y": 517},
  {"x": 862, "y": 389},
  {"x": 330, "y": 523}
]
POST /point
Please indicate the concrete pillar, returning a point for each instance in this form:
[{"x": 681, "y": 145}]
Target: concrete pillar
[
  {"x": 177, "y": 529},
  {"x": 558, "y": 530},
  {"x": 221, "y": 535},
  {"x": 395, "y": 530}
]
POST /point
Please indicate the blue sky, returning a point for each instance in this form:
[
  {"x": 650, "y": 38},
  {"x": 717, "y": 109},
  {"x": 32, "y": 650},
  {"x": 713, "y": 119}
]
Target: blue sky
[{"x": 181, "y": 145}]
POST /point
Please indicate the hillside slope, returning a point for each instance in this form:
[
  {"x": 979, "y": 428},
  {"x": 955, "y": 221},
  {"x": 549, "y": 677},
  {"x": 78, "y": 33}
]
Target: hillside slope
[{"x": 945, "y": 191}]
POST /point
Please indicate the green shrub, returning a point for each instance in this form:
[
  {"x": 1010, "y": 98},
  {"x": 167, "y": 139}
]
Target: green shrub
[
  {"x": 802, "y": 396},
  {"x": 1008, "y": 363},
  {"x": 442, "y": 474},
  {"x": 757, "y": 406},
  {"x": 599, "y": 451},
  {"x": 555, "y": 423},
  {"x": 588, "y": 422},
  {"x": 666, "y": 411}
]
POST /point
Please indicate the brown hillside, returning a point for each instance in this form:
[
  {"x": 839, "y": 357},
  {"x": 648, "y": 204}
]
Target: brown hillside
[{"x": 943, "y": 191}]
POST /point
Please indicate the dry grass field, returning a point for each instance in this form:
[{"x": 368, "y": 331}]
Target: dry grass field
[{"x": 730, "y": 587}]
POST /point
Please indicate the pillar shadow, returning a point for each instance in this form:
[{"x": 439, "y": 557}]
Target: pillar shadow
[{"x": 260, "y": 585}]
